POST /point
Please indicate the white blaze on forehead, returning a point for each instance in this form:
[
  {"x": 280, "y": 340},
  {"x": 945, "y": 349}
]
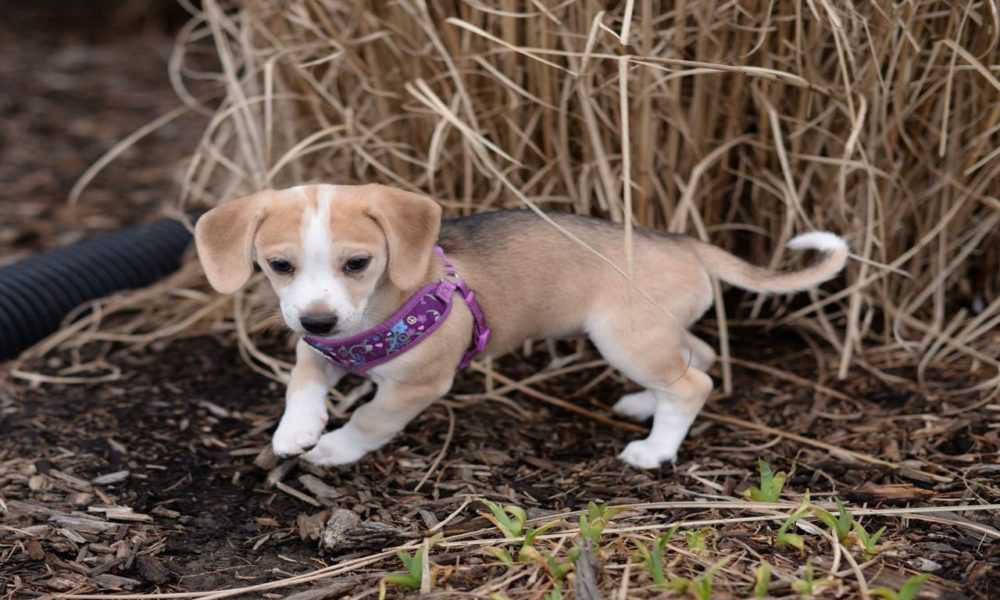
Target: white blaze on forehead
[
  {"x": 316, "y": 282},
  {"x": 316, "y": 239}
]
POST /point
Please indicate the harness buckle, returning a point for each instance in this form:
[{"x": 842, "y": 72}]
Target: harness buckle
[{"x": 445, "y": 290}]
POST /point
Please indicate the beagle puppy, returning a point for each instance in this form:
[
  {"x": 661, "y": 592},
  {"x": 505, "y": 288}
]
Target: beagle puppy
[{"x": 349, "y": 262}]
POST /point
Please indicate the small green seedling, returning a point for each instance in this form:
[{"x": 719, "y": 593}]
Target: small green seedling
[
  {"x": 413, "y": 577},
  {"x": 701, "y": 587},
  {"x": 771, "y": 484},
  {"x": 762, "y": 581},
  {"x": 654, "y": 558},
  {"x": 502, "y": 555},
  {"x": 805, "y": 587},
  {"x": 840, "y": 525},
  {"x": 909, "y": 591},
  {"x": 869, "y": 541},
  {"x": 532, "y": 534},
  {"x": 697, "y": 541},
  {"x": 678, "y": 585},
  {"x": 557, "y": 569},
  {"x": 784, "y": 538},
  {"x": 509, "y": 519},
  {"x": 595, "y": 519},
  {"x": 527, "y": 552},
  {"x": 556, "y": 593}
]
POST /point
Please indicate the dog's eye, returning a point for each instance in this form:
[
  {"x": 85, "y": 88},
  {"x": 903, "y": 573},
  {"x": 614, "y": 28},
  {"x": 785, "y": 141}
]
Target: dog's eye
[
  {"x": 281, "y": 266},
  {"x": 357, "y": 264}
]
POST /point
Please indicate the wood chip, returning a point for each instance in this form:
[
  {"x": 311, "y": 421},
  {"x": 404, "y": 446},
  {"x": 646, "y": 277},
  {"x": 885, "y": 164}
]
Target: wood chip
[
  {"x": 74, "y": 482},
  {"x": 279, "y": 472},
  {"x": 345, "y": 531},
  {"x": 297, "y": 494},
  {"x": 311, "y": 526},
  {"x": 38, "y": 483},
  {"x": 152, "y": 570},
  {"x": 32, "y": 531},
  {"x": 127, "y": 514},
  {"x": 918, "y": 475},
  {"x": 268, "y": 522},
  {"x": 900, "y": 491},
  {"x": 72, "y": 536},
  {"x": 108, "y": 581},
  {"x": 215, "y": 409},
  {"x": 35, "y": 550},
  {"x": 266, "y": 459},
  {"x": 80, "y": 498},
  {"x": 83, "y": 524},
  {"x": 109, "y": 478},
  {"x": 430, "y": 521},
  {"x": 161, "y": 511},
  {"x": 62, "y": 583},
  {"x": 245, "y": 452},
  {"x": 337, "y": 528},
  {"x": 319, "y": 488}
]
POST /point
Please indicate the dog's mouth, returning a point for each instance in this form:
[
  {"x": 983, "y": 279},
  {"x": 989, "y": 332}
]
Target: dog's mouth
[
  {"x": 331, "y": 335},
  {"x": 335, "y": 333}
]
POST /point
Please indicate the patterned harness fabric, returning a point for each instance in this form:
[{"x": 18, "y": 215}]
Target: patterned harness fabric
[{"x": 419, "y": 317}]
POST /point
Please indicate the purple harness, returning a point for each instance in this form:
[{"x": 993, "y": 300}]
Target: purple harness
[{"x": 422, "y": 314}]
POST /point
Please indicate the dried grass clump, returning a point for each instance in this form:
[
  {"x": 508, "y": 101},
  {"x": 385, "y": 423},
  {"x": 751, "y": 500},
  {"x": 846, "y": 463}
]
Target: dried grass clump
[{"x": 742, "y": 123}]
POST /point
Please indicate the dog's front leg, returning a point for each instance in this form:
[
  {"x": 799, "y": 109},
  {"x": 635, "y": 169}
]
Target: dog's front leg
[
  {"x": 305, "y": 414},
  {"x": 375, "y": 423}
]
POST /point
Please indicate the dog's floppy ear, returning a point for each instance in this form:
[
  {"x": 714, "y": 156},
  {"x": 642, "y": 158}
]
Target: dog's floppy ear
[
  {"x": 224, "y": 237},
  {"x": 411, "y": 223}
]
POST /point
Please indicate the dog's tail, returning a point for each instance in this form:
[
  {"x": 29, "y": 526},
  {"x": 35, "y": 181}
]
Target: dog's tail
[{"x": 742, "y": 274}]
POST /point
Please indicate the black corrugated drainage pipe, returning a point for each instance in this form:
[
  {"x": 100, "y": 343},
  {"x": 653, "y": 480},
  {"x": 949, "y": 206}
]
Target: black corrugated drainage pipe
[{"x": 38, "y": 292}]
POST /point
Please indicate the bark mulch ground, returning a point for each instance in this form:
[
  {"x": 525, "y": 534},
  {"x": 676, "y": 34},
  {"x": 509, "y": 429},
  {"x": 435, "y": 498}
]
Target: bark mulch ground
[{"x": 150, "y": 482}]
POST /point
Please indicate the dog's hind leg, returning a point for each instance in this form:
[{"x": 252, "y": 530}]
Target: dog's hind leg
[
  {"x": 675, "y": 388},
  {"x": 637, "y": 405},
  {"x": 642, "y": 405},
  {"x": 677, "y": 404},
  {"x": 702, "y": 355}
]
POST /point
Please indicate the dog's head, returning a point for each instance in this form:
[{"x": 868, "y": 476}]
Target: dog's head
[{"x": 326, "y": 249}]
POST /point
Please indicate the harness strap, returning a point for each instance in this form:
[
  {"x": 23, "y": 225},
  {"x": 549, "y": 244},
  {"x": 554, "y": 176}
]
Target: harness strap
[{"x": 420, "y": 316}]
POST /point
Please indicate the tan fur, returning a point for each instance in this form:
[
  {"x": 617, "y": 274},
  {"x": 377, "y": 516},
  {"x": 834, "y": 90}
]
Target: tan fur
[
  {"x": 531, "y": 281},
  {"x": 224, "y": 237},
  {"x": 410, "y": 223}
]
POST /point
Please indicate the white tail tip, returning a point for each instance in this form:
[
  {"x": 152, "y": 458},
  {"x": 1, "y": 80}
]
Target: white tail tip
[{"x": 823, "y": 241}]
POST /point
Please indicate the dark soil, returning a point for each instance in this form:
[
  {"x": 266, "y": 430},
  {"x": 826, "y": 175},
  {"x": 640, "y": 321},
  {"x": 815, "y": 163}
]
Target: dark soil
[
  {"x": 75, "y": 79},
  {"x": 189, "y": 418}
]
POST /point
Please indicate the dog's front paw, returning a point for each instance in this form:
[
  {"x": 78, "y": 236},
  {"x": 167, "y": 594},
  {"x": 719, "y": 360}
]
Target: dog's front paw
[
  {"x": 297, "y": 433},
  {"x": 641, "y": 454},
  {"x": 339, "y": 447}
]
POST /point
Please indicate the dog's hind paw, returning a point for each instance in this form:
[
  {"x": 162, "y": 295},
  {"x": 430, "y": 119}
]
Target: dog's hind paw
[{"x": 641, "y": 454}]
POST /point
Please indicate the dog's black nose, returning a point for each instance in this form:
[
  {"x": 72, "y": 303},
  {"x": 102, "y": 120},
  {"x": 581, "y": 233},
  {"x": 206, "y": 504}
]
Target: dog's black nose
[{"x": 318, "y": 324}]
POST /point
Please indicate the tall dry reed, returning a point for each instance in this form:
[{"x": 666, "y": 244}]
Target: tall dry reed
[{"x": 739, "y": 122}]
